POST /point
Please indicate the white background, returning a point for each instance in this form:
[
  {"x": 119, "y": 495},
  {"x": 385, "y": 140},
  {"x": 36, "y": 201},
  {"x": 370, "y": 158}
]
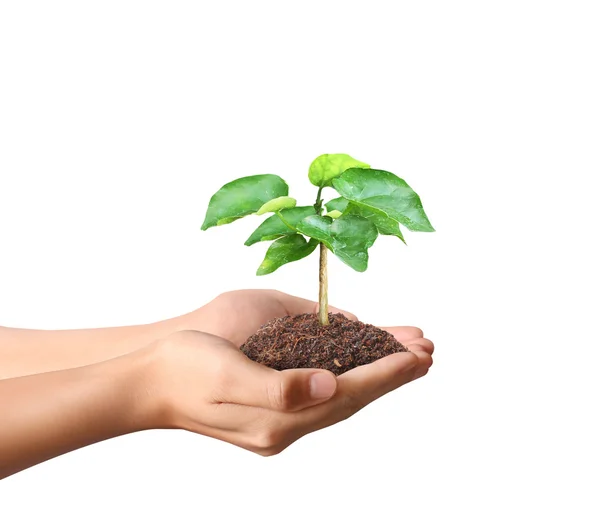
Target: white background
[{"x": 118, "y": 120}]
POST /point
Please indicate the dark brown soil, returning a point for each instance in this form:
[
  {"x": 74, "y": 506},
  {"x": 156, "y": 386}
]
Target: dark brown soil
[{"x": 300, "y": 341}]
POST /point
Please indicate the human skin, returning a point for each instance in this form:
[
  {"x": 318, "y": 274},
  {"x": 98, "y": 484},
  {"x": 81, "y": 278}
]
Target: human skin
[{"x": 85, "y": 386}]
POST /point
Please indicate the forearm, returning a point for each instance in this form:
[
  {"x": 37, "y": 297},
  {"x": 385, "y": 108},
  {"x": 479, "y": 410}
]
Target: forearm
[
  {"x": 46, "y": 415},
  {"x": 26, "y": 352}
]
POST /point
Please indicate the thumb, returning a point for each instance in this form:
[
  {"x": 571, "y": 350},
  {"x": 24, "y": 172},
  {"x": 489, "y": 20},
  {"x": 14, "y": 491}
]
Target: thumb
[{"x": 256, "y": 385}]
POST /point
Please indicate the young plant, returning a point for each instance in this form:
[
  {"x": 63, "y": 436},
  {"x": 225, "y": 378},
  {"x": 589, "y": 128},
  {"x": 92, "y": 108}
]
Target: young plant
[{"x": 370, "y": 203}]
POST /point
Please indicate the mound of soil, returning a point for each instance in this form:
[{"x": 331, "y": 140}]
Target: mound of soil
[{"x": 300, "y": 341}]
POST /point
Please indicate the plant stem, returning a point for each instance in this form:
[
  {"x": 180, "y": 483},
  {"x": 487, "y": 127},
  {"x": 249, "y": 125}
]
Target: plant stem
[
  {"x": 319, "y": 202},
  {"x": 323, "y": 301},
  {"x": 285, "y": 221}
]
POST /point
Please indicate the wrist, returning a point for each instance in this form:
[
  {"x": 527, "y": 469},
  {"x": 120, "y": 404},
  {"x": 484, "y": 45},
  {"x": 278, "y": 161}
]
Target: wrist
[
  {"x": 134, "y": 378},
  {"x": 169, "y": 373},
  {"x": 150, "y": 379}
]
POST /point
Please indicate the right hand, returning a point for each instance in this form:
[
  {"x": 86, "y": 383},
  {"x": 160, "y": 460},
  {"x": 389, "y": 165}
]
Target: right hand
[{"x": 203, "y": 383}]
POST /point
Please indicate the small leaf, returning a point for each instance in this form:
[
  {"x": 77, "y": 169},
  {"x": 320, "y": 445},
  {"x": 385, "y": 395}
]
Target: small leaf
[
  {"x": 317, "y": 227},
  {"x": 334, "y": 214},
  {"x": 277, "y": 204},
  {"x": 328, "y": 166},
  {"x": 384, "y": 193},
  {"x": 243, "y": 197},
  {"x": 274, "y": 227},
  {"x": 339, "y": 204},
  {"x": 348, "y": 237},
  {"x": 285, "y": 250},
  {"x": 384, "y": 224}
]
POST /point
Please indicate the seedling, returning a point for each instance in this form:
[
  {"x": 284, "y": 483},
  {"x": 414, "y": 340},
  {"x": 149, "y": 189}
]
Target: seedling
[{"x": 370, "y": 203}]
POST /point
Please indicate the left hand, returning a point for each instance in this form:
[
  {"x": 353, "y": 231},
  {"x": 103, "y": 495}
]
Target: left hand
[{"x": 238, "y": 314}]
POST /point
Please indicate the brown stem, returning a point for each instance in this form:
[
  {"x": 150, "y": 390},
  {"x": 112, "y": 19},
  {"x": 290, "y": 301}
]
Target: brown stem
[{"x": 323, "y": 302}]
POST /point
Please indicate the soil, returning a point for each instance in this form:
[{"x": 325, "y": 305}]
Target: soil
[{"x": 301, "y": 341}]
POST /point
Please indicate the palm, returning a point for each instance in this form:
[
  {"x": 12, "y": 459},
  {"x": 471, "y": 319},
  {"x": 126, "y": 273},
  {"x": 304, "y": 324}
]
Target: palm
[{"x": 237, "y": 315}]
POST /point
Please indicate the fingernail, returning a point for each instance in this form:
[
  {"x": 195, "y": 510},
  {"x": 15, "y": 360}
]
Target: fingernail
[{"x": 322, "y": 385}]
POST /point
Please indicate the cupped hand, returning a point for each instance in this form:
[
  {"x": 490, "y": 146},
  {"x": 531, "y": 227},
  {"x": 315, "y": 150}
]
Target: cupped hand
[
  {"x": 238, "y": 314},
  {"x": 203, "y": 383}
]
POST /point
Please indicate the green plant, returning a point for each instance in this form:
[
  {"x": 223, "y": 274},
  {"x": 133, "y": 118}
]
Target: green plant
[{"x": 371, "y": 202}]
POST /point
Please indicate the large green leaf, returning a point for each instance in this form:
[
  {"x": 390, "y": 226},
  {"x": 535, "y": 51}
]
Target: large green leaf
[
  {"x": 274, "y": 227},
  {"x": 277, "y": 204},
  {"x": 385, "y": 193},
  {"x": 285, "y": 250},
  {"x": 243, "y": 197},
  {"x": 384, "y": 224},
  {"x": 349, "y": 237},
  {"x": 328, "y": 166}
]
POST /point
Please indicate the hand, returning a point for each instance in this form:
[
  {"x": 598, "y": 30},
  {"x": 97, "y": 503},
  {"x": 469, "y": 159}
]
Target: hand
[
  {"x": 202, "y": 383},
  {"x": 238, "y": 314},
  {"x": 117, "y": 383}
]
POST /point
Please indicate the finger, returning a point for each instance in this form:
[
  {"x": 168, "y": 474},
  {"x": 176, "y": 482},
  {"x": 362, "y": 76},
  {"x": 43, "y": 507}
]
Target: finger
[
  {"x": 425, "y": 360},
  {"x": 413, "y": 348},
  {"x": 359, "y": 387},
  {"x": 425, "y": 344},
  {"x": 246, "y": 382},
  {"x": 369, "y": 382},
  {"x": 297, "y": 305},
  {"x": 403, "y": 333}
]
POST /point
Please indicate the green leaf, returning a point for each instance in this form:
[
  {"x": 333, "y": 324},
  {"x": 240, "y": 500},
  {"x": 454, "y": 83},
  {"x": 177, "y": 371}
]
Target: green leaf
[
  {"x": 285, "y": 250},
  {"x": 334, "y": 214},
  {"x": 277, "y": 204},
  {"x": 353, "y": 236},
  {"x": 328, "y": 166},
  {"x": 384, "y": 193},
  {"x": 243, "y": 197},
  {"x": 348, "y": 237},
  {"x": 274, "y": 227},
  {"x": 317, "y": 227},
  {"x": 339, "y": 204},
  {"x": 384, "y": 224}
]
